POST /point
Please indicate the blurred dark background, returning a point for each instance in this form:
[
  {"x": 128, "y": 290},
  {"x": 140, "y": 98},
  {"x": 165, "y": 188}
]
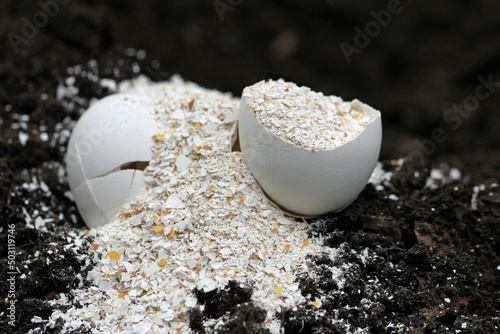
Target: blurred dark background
[{"x": 413, "y": 68}]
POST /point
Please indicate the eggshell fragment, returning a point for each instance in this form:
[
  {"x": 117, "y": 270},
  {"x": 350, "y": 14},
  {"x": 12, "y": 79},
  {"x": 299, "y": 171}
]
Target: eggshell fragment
[
  {"x": 88, "y": 206},
  {"x": 117, "y": 189},
  {"x": 113, "y": 133},
  {"x": 306, "y": 182}
]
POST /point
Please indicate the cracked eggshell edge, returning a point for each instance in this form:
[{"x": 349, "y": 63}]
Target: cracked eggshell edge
[
  {"x": 115, "y": 130},
  {"x": 305, "y": 182},
  {"x": 112, "y": 191}
]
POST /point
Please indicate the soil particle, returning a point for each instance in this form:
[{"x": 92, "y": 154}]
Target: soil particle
[
  {"x": 220, "y": 301},
  {"x": 318, "y": 279},
  {"x": 245, "y": 318},
  {"x": 232, "y": 306}
]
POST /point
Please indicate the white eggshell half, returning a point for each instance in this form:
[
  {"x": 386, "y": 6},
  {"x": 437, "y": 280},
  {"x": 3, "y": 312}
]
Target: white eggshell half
[
  {"x": 113, "y": 131},
  {"x": 116, "y": 130},
  {"x": 306, "y": 182}
]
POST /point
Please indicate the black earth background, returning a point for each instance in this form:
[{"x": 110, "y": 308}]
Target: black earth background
[{"x": 431, "y": 67}]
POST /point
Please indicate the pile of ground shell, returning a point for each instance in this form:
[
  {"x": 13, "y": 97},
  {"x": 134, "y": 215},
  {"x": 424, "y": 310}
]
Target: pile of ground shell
[{"x": 203, "y": 223}]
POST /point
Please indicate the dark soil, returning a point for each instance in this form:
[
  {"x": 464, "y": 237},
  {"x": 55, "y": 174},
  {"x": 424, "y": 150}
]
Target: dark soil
[
  {"x": 232, "y": 305},
  {"x": 434, "y": 252}
]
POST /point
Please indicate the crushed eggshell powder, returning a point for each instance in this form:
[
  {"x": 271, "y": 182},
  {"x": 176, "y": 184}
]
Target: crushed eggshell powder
[
  {"x": 218, "y": 226},
  {"x": 303, "y": 117}
]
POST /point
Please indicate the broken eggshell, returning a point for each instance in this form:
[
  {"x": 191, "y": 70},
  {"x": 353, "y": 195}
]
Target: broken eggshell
[
  {"x": 108, "y": 150},
  {"x": 308, "y": 183}
]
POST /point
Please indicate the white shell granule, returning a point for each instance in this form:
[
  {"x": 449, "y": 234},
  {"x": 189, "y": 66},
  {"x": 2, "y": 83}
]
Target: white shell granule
[
  {"x": 303, "y": 117},
  {"x": 203, "y": 222}
]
